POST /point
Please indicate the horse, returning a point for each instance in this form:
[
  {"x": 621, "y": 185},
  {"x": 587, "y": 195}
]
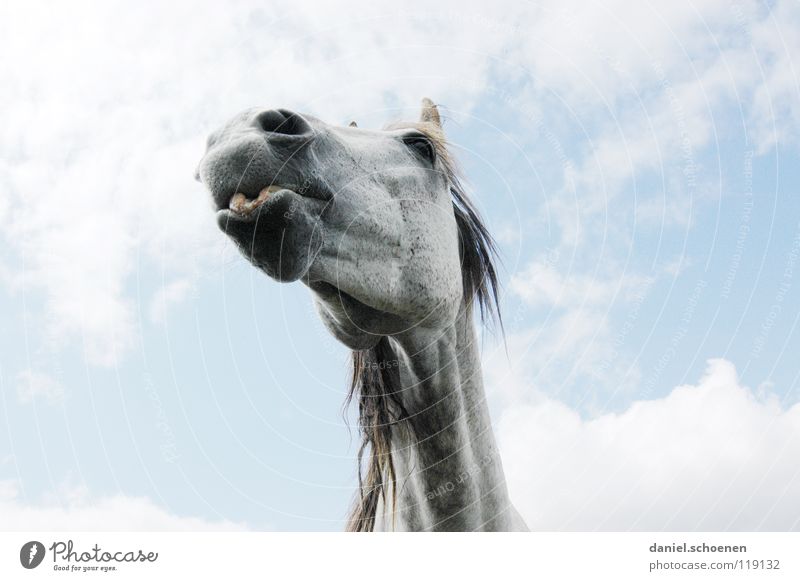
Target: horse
[{"x": 377, "y": 223}]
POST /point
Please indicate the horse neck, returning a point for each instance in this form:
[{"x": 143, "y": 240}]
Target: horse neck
[{"x": 448, "y": 471}]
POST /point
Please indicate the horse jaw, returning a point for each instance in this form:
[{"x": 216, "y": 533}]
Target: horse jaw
[{"x": 281, "y": 235}]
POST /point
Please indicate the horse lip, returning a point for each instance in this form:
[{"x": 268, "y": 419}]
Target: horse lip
[
  {"x": 252, "y": 215},
  {"x": 304, "y": 191},
  {"x": 247, "y": 207}
]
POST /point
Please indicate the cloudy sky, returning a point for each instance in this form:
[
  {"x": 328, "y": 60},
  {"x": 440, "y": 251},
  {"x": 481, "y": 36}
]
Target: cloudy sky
[{"x": 638, "y": 163}]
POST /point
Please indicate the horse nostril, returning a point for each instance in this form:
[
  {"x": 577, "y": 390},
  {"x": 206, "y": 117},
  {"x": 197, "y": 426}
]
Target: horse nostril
[{"x": 282, "y": 122}]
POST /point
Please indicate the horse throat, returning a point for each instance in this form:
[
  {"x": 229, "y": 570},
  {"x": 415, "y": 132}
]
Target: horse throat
[{"x": 429, "y": 458}]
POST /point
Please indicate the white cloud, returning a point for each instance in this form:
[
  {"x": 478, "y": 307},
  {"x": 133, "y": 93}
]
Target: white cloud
[
  {"x": 542, "y": 284},
  {"x": 575, "y": 356},
  {"x": 775, "y": 114},
  {"x": 32, "y": 385},
  {"x": 167, "y": 296},
  {"x": 588, "y": 51},
  {"x": 76, "y": 512},
  {"x": 104, "y": 125},
  {"x": 579, "y": 347},
  {"x": 653, "y": 88},
  {"x": 711, "y": 456}
]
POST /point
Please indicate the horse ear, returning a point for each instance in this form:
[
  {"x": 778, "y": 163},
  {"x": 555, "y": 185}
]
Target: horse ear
[
  {"x": 352, "y": 124},
  {"x": 430, "y": 114}
]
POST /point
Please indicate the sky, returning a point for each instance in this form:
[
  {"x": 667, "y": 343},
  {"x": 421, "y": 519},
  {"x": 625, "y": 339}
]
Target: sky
[{"x": 637, "y": 163}]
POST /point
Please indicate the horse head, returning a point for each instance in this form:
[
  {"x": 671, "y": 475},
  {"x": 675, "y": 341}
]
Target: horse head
[{"x": 373, "y": 221}]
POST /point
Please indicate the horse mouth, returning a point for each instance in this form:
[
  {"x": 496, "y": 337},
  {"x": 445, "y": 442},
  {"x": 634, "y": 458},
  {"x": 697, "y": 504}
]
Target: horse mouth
[
  {"x": 245, "y": 206},
  {"x": 275, "y": 229}
]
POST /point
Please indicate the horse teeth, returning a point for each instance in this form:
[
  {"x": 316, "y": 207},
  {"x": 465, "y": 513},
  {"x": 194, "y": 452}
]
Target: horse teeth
[
  {"x": 238, "y": 203},
  {"x": 241, "y": 204},
  {"x": 265, "y": 193}
]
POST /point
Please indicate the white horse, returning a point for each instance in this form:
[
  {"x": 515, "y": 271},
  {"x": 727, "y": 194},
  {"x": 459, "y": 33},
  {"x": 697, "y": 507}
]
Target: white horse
[{"x": 378, "y": 226}]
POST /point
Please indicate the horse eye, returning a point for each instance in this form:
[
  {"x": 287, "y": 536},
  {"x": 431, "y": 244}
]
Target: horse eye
[{"x": 422, "y": 146}]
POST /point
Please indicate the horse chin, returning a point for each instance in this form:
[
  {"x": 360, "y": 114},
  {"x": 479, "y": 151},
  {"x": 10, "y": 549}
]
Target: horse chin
[
  {"x": 364, "y": 322},
  {"x": 281, "y": 236}
]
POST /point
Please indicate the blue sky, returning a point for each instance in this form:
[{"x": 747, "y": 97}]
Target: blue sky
[{"x": 638, "y": 165}]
